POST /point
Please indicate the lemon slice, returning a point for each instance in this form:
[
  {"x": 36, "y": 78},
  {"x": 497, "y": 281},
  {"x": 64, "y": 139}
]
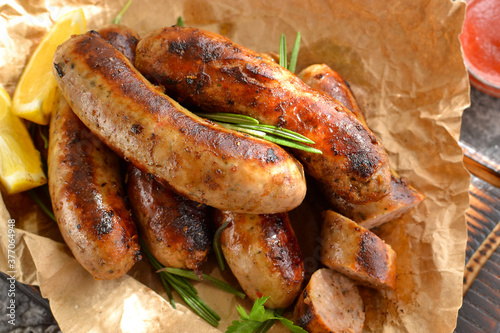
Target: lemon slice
[
  {"x": 35, "y": 91},
  {"x": 20, "y": 163}
]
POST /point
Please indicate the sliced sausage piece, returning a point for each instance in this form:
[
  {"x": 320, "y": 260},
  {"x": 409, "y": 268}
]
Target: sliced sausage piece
[
  {"x": 209, "y": 71},
  {"x": 357, "y": 252},
  {"x": 175, "y": 229},
  {"x": 330, "y": 304},
  {"x": 263, "y": 255},
  {"x": 88, "y": 198},
  {"x": 199, "y": 159}
]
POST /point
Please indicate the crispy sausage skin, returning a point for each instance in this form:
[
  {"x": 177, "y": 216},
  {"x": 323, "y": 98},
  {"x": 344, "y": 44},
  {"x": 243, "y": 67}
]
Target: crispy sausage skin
[
  {"x": 330, "y": 303},
  {"x": 198, "y": 159},
  {"x": 123, "y": 38},
  {"x": 175, "y": 229},
  {"x": 87, "y": 197},
  {"x": 205, "y": 69},
  {"x": 323, "y": 78},
  {"x": 357, "y": 252},
  {"x": 263, "y": 255}
]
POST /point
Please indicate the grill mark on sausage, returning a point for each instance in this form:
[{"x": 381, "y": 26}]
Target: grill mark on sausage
[
  {"x": 281, "y": 245},
  {"x": 370, "y": 256}
]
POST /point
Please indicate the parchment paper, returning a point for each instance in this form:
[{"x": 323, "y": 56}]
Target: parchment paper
[{"x": 404, "y": 63}]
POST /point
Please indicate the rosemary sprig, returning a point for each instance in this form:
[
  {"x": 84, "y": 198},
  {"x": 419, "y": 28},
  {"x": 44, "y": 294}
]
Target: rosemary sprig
[
  {"x": 283, "y": 60},
  {"x": 216, "y": 282},
  {"x": 180, "y": 22},
  {"x": 293, "y": 56},
  {"x": 33, "y": 195},
  {"x": 251, "y": 126},
  {"x": 118, "y": 17},
  {"x": 183, "y": 287},
  {"x": 295, "y": 53},
  {"x": 216, "y": 246}
]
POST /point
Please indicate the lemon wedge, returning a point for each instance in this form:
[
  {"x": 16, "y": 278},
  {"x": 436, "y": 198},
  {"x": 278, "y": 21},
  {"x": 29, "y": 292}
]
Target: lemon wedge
[
  {"x": 35, "y": 91},
  {"x": 20, "y": 163}
]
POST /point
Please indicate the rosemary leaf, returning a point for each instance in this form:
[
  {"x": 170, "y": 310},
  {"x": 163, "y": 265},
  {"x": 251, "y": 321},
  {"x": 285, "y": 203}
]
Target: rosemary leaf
[
  {"x": 238, "y": 128},
  {"x": 281, "y": 132},
  {"x": 204, "y": 277},
  {"x": 165, "y": 284},
  {"x": 295, "y": 54},
  {"x": 192, "y": 302},
  {"x": 120, "y": 14},
  {"x": 180, "y": 22},
  {"x": 283, "y": 60},
  {"x": 39, "y": 202},
  {"x": 291, "y": 144},
  {"x": 216, "y": 246},
  {"x": 232, "y": 118},
  {"x": 44, "y": 137},
  {"x": 184, "y": 288}
]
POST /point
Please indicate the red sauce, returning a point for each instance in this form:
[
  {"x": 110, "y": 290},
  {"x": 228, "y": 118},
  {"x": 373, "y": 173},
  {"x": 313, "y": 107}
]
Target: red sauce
[{"x": 481, "y": 44}]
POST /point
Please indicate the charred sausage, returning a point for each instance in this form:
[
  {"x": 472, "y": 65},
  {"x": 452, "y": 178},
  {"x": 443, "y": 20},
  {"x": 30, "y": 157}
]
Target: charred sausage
[
  {"x": 401, "y": 198},
  {"x": 87, "y": 197},
  {"x": 263, "y": 255},
  {"x": 200, "y": 160},
  {"x": 209, "y": 71},
  {"x": 175, "y": 229}
]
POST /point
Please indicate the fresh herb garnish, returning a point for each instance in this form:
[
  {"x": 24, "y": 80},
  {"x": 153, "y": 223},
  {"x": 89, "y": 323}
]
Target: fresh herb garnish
[
  {"x": 177, "y": 279},
  {"x": 260, "y": 319},
  {"x": 34, "y": 196},
  {"x": 270, "y": 133},
  {"x": 120, "y": 14},
  {"x": 180, "y": 22},
  {"x": 204, "y": 277},
  {"x": 293, "y": 56},
  {"x": 216, "y": 246}
]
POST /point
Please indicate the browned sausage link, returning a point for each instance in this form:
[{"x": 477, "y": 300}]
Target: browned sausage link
[
  {"x": 122, "y": 38},
  {"x": 174, "y": 228},
  {"x": 208, "y": 70},
  {"x": 263, "y": 255},
  {"x": 87, "y": 197},
  {"x": 321, "y": 77},
  {"x": 401, "y": 198},
  {"x": 200, "y": 160},
  {"x": 330, "y": 303}
]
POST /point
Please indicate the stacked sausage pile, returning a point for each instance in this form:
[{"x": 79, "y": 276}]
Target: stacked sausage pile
[{"x": 119, "y": 104}]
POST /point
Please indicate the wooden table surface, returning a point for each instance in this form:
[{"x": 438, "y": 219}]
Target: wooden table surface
[{"x": 480, "y": 139}]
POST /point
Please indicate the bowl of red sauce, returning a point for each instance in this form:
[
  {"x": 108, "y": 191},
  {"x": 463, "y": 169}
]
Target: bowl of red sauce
[{"x": 481, "y": 45}]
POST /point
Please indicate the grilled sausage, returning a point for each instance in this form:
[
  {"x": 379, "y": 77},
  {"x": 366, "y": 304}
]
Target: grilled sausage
[
  {"x": 401, "y": 198},
  {"x": 357, "y": 252},
  {"x": 200, "y": 160},
  {"x": 330, "y": 304},
  {"x": 321, "y": 77},
  {"x": 123, "y": 38},
  {"x": 87, "y": 197},
  {"x": 263, "y": 255},
  {"x": 175, "y": 229},
  {"x": 208, "y": 70}
]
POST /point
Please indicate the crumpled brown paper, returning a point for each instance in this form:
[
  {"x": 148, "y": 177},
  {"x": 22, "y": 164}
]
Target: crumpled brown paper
[{"x": 404, "y": 63}]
